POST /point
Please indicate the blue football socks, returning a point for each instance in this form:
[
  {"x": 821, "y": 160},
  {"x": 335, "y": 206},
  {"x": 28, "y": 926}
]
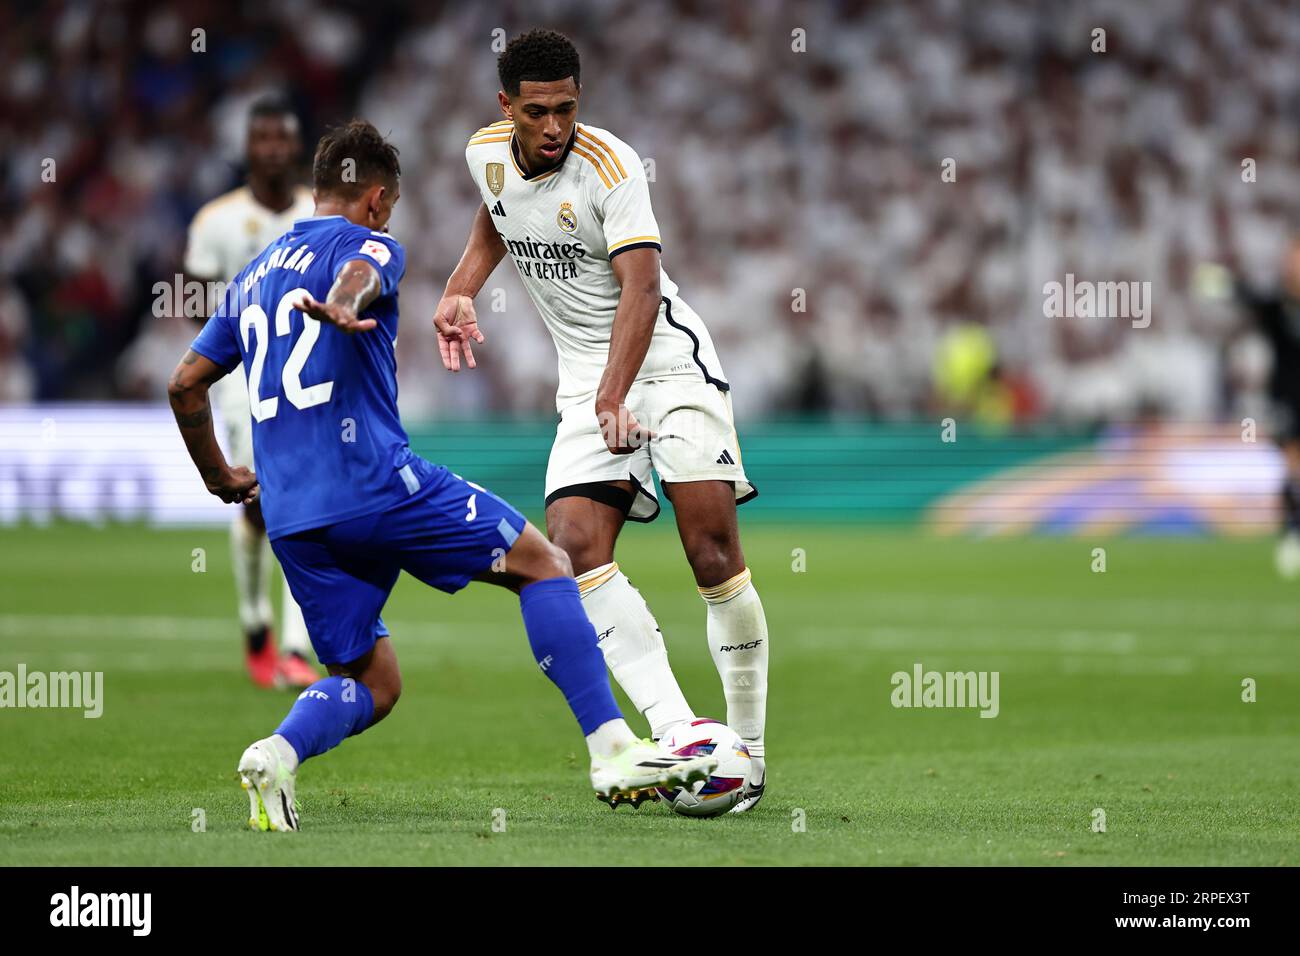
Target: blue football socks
[
  {"x": 325, "y": 713},
  {"x": 564, "y": 645}
]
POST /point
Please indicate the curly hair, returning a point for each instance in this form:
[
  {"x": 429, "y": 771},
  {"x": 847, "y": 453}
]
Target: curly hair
[
  {"x": 538, "y": 55},
  {"x": 373, "y": 159}
]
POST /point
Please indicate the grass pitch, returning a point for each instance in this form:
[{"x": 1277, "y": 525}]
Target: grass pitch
[{"x": 1119, "y": 691}]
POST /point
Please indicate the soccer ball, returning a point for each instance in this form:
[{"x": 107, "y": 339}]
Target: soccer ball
[{"x": 722, "y": 791}]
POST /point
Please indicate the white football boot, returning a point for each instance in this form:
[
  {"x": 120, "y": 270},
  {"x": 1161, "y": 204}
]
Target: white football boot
[
  {"x": 753, "y": 791},
  {"x": 265, "y": 774},
  {"x": 633, "y": 774}
]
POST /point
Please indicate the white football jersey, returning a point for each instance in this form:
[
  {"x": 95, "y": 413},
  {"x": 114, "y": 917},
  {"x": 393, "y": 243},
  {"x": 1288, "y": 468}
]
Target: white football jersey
[
  {"x": 229, "y": 232},
  {"x": 562, "y": 228}
]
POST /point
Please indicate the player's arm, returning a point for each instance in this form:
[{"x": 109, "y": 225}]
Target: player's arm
[
  {"x": 455, "y": 319},
  {"x": 198, "y": 315},
  {"x": 355, "y": 287},
  {"x": 202, "y": 261},
  {"x": 188, "y": 393},
  {"x": 637, "y": 271}
]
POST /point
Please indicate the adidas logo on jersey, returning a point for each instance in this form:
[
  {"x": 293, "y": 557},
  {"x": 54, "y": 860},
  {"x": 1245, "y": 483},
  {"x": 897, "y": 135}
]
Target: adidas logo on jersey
[
  {"x": 725, "y": 458},
  {"x": 499, "y": 209}
]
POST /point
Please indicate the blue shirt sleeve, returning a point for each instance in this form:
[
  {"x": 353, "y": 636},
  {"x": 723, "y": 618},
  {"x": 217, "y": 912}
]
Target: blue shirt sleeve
[
  {"x": 217, "y": 340},
  {"x": 379, "y": 250}
]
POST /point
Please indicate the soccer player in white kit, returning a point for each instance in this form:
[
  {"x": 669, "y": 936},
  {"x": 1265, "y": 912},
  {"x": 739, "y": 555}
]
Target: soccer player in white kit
[
  {"x": 641, "y": 386},
  {"x": 225, "y": 235}
]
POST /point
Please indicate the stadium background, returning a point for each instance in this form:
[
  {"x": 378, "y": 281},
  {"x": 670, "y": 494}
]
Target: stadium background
[
  {"x": 781, "y": 176},
  {"x": 797, "y": 178}
]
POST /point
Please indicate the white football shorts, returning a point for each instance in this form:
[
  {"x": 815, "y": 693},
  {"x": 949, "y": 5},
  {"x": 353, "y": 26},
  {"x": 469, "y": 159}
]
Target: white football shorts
[{"x": 695, "y": 440}]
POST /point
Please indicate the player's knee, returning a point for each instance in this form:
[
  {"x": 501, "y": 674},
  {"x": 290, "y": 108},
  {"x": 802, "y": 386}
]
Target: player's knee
[
  {"x": 385, "y": 695},
  {"x": 533, "y": 558},
  {"x": 714, "y": 559},
  {"x": 570, "y": 540},
  {"x": 384, "y": 705},
  {"x": 555, "y": 563},
  {"x": 582, "y": 550}
]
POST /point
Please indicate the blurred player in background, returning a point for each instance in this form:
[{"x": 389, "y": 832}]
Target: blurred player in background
[
  {"x": 314, "y": 318},
  {"x": 640, "y": 383},
  {"x": 1277, "y": 315},
  {"x": 225, "y": 234}
]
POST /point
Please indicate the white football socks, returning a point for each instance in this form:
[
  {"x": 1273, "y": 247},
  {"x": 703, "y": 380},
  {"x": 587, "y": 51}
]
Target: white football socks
[
  {"x": 737, "y": 630},
  {"x": 286, "y": 751},
  {"x": 293, "y": 633},
  {"x": 610, "y": 738},
  {"x": 633, "y": 646},
  {"x": 250, "y": 554}
]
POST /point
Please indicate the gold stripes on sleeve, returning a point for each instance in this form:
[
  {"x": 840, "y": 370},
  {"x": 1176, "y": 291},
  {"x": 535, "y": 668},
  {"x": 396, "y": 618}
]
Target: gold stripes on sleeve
[
  {"x": 498, "y": 132},
  {"x": 599, "y": 154}
]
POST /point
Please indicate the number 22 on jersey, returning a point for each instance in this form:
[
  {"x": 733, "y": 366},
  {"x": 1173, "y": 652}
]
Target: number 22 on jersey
[{"x": 253, "y": 320}]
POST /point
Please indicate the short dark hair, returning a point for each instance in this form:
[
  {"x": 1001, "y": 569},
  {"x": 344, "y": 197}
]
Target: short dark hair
[
  {"x": 271, "y": 104},
  {"x": 373, "y": 159},
  {"x": 538, "y": 55}
]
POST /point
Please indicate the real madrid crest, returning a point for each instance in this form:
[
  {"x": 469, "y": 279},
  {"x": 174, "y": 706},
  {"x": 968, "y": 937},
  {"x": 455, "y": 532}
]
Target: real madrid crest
[
  {"x": 566, "y": 218},
  {"x": 495, "y": 174}
]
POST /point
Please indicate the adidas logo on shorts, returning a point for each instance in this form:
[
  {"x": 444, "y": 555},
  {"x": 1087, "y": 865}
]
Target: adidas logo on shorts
[{"x": 725, "y": 458}]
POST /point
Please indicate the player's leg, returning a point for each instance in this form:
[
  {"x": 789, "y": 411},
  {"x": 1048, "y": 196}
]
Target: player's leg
[
  {"x": 250, "y": 556},
  {"x": 250, "y": 552},
  {"x": 295, "y": 646},
  {"x": 1288, "y": 548},
  {"x": 698, "y": 459},
  {"x": 453, "y": 531},
  {"x": 589, "y": 495},
  {"x": 737, "y": 626},
  {"x": 354, "y": 697},
  {"x": 561, "y": 636},
  {"x": 623, "y": 768},
  {"x": 584, "y": 521},
  {"x": 341, "y": 587}
]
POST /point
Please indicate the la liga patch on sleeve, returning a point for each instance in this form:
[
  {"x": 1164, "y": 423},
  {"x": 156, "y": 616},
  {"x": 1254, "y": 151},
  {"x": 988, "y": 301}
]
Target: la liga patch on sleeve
[{"x": 377, "y": 251}]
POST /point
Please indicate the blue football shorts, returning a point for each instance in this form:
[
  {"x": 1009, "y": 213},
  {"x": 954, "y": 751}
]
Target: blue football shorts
[{"x": 448, "y": 532}]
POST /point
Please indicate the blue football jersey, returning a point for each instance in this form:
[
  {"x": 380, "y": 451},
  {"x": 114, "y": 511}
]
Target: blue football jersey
[{"x": 327, "y": 441}]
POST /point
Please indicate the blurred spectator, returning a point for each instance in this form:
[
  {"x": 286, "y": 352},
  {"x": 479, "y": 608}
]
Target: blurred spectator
[
  {"x": 17, "y": 380},
  {"x": 146, "y": 365}
]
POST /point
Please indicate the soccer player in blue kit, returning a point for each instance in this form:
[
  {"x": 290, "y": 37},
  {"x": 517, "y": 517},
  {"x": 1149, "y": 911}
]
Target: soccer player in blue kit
[{"x": 348, "y": 506}]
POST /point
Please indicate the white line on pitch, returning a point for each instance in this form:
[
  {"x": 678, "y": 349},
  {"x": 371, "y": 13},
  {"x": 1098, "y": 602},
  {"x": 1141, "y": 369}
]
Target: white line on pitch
[{"x": 91, "y": 627}]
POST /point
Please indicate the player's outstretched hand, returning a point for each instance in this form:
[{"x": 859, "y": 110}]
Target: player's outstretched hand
[
  {"x": 337, "y": 314},
  {"x": 623, "y": 434},
  {"x": 457, "y": 325},
  {"x": 234, "y": 486}
]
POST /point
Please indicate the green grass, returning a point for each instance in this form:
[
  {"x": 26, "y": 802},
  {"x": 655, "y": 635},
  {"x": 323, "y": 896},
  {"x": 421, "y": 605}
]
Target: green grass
[{"x": 1119, "y": 691}]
